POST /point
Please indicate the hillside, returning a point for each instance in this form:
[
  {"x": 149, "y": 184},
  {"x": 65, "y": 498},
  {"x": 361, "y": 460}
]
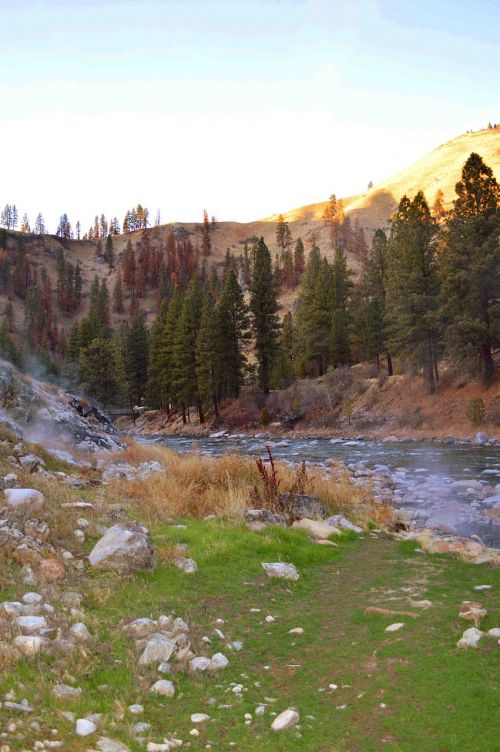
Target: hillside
[{"x": 440, "y": 169}]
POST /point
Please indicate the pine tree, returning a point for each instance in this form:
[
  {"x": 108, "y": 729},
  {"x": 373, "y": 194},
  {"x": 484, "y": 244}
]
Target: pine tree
[
  {"x": 207, "y": 365},
  {"x": 155, "y": 387},
  {"x": 299, "y": 263},
  {"x": 185, "y": 385},
  {"x": 413, "y": 287},
  {"x": 206, "y": 243},
  {"x": 118, "y": 306},
  {"x": 78, "y": 229},
  {"x": 233, "y": 330},
  {"x": 109, "y": 252},
  {"x": 283, "y": 371},
  {"x": 283, "y": 234},
  {"x": 25, "y": 225},
  {"x": 305, "y": 307},
  {"x": 39, "y": 225},
  {"x": 374, "y": 286},
  {"x": 264, "y": 307},
  {"x": 470, "y": 269},
  {"x": 99, "y": 370},
  {"x": 135, "y": 359},
  {"x": 129, "y": 268},
  {"x": 334, "y": 217},
  {"x": 340, "y": 343}
]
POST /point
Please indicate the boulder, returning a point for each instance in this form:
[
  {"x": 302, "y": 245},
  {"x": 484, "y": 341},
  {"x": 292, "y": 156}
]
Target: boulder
[
  {"x": 27, "y": 645},
  {"x": 317, "y": 529},
  {"x": 30, "y": 462},
  {"x": 163, "y": 687},
  {"x": 125, "y": 547},
  {"x": 470, "y": 638},
  {"x": 301, "y": 505},
  {"x": 282, "y": 570},
  {"x": 84, "y": 727},
  {"x": 285, "y": 720},
  {"x": 24, "y": 499},
  {"x": 158, "y": 650},
  {"x": 218, "y": 661},
  {"x": 188, "y": 566}
]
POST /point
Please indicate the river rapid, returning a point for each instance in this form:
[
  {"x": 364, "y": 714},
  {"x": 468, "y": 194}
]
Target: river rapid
[{"x": 452, "y": 488}]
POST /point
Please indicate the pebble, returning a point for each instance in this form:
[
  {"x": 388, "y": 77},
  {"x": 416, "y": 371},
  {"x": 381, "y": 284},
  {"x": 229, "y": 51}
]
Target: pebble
[
  {"x": 163, "y": 687},
  {"x": 199, "y": 717},
  {"x": 296, "y": 630}
]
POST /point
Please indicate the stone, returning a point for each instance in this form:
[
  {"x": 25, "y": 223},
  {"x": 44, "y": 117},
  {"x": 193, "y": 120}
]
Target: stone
[
  {"x": 472, "y": 611},
  {"x": 285, "y": 720},
  {"x": 280, "y": 569},
  {"x": 264, "y": 517},
  {"x": 28, "y": 645},
  {"x": 339, "y": 521},
  {"x": 105, "y": 744},
  {"x": 158, "y": 650},
  {"x": 494, "y": 633},
  {"x": 421, "y": 604},
  {"x": 125, "y": 547},
  {"x": 188, "y": 566},
  {"x": 163, "y": 687},
  {"x": 51, "y": 570},
  {"x": 84, "y": 727},
  {"x": 394, "y": 627},
  {"x": 301, "y": 505},
  {"x": 8, "y": 654},
  {"x": 30, "y": 462},
  {"x": 24, "y": 499},
  {"x": 66, "y": 692},
  {"x": 199, "y": 717},
  {"x": 200, "y": 663},
  {"x": 9, "y": 480},
  {"x": 80, "y": 631},
  {"x": 218, "y": 662},
  {"x": 318, "y": 530},
  {"x": 30, "y": 624},
  {"x": 136, "y": 709},
  {"x": 482, "y": 587},
  {"x": 470, "y": 638},
  {"x": 142, "y": 627},
  {"x": 32, "y": 598}
]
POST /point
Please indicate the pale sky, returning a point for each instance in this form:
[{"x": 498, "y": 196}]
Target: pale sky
[{"x": 245, "y": 107}]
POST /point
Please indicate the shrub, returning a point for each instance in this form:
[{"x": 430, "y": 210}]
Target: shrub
[
  {"x": 476, "y": 411},
  {"x": 265, "y": 418}
]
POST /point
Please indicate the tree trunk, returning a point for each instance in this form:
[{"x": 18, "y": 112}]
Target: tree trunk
[
  {"x": 201, "y": 416},
  {"x": 183, "y": 413},
  {"x": 488, "y": 364},
  {"x": 390, "y": 371},
  {"x": 216, "y": 407}
]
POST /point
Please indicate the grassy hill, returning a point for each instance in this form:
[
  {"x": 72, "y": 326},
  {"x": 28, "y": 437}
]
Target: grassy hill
[{"x": 440, "y": 169}]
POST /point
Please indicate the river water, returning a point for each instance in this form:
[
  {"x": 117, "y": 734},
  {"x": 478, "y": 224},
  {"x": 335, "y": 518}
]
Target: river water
[{"x": 422, "y": 474}]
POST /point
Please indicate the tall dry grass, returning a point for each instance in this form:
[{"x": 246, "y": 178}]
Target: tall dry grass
[{"x": 194, "y": 485}]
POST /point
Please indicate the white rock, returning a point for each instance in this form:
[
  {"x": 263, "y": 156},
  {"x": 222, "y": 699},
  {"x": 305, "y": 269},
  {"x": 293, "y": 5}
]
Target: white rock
[
  {"x": 136, "y": 709},
  {"x": 66, "y": 692},
  {"x": 84, "y": 727},
  {"x": 280, "y": 569},
  {"x": 24, "y": 499},
  {"x": 270, "y": 619},
  {"x": 125, "y": 547},
  {"x": 394, "y": 627},
  {"x": 199, "y": 663},
  {"x": 494, "y": 633},
  {"x": 218, "y": 661},
  {"x": 199, "y": 717},
  {"x": 158, "y": 650},
  {"x": 32, "y": 598},
  {"x": 482, "y": 587},
  {"x": 80, "y": 631},
  {"x": 470, "y": 638},
  {"x": 296, "y": 630},
  {"x": 285, "y": 720},
  {"x": 31, "y": 624},
  {"x": 163, "y": 687},
  {"x": 142, "y": 627},
  {"x": 316, "y": 529},
  {"x": 28, "y": 646},
  {"x": 104, "y": 744}
]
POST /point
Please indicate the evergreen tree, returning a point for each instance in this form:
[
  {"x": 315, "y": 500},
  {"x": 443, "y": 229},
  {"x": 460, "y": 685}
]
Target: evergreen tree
[
  {"x": 155, "y": 388},
  {"x": 206, "y": 243},
  {"x": 118, "y": 306},
  {"x": 283, "y": 371},
  {"x": 264, "y": 307},
  {"x": 413, "y": 287},
  {"x": 135, "y": 359},
  {"x": 99, "y": 370},
  {"x": 207, "y": 365},
  {"x": 283, "y": 234},
  {"x": 374, "y": 285},
  {"x": 305, "y": 312},
  {"x": 470, "y": 269},
  {"x": 185, "y": 385},
  {"x": 233, "y": 330},
  {"x": 342, "y": 285},
  {"x": 298, "y": 260},
  {"x": 109, "y": 252}
]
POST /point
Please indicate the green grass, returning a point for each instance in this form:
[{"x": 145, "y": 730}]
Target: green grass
[{"x": 437, "y": 698}]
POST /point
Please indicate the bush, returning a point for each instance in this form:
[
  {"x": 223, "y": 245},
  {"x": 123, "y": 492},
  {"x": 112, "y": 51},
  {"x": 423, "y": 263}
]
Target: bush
[
  {"x": 476, "y": 411},
  {"x": 265, "y": 418}
]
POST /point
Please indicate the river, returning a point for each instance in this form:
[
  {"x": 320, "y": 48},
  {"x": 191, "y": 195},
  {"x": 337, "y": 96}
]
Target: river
[{"x": 448, "y": 487}]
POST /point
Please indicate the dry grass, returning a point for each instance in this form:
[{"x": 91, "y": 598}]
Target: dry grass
[{"x": 196, "y": 486}]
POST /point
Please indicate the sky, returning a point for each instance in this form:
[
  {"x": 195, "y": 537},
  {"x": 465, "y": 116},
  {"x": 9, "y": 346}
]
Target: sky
[{"x": 244, "y": 107}]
